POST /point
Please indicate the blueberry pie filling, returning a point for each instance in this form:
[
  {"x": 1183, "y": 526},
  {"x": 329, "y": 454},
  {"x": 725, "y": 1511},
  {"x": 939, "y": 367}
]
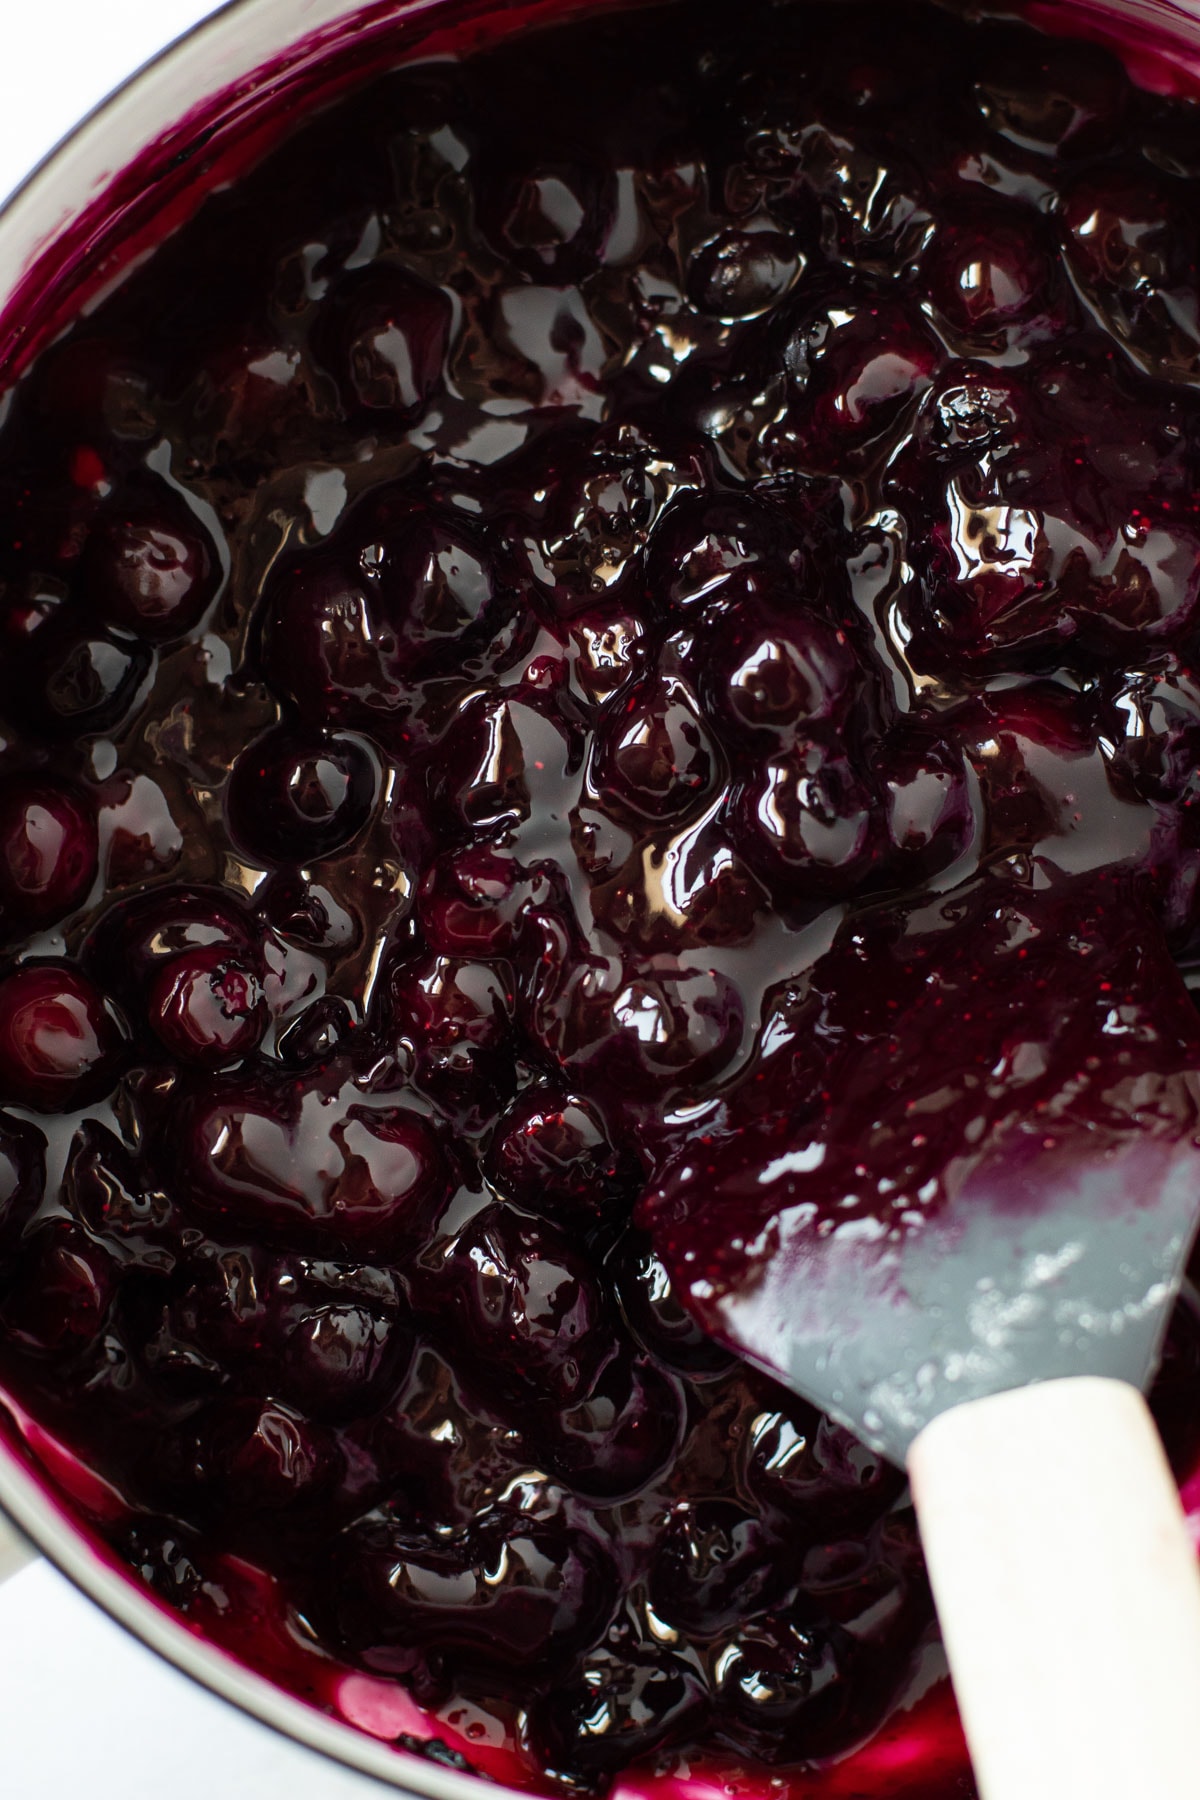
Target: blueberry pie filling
[{"x": 618, "y": 587}]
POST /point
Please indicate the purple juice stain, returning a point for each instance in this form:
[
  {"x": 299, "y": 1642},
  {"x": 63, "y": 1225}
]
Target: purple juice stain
[{"x": 534, "y": 629}]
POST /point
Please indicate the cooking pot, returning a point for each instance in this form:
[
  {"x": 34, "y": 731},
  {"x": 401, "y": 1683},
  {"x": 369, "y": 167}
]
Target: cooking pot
[{"x": 212, "y": 100}]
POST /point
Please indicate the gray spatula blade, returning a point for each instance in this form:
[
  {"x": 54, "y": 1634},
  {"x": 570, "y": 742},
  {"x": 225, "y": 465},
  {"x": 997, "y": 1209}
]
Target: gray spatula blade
[
  {"x": 965, "y": 1158},
  {"x": 886, "y": 1332}
]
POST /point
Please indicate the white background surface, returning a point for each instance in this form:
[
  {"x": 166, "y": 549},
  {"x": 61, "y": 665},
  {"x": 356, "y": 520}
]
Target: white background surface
[
  {"x": 84, "y": 1710},
  {"x": 59, "y": 58}
]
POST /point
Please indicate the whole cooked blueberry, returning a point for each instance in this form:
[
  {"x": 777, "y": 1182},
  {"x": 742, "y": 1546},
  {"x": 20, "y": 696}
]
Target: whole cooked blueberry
[
  {"x": 927, "y": 792},
  {"x": 207, "y": 1007},
  {"x": 620, "y": 1436},
  {"x": 596, "y": 506},
  {"x": 133, "y": 940},
  {"x": 223, "y": 1319},
  {"x": 309, "y": 1161},
  {"x": 515, "y": 1593},
  {"x": 316, "y": 1034},
  {"x": 655, "y": 758},
  {"x": 256, "y": 1456},
  {"x": 527, "y": 1307},
  {"x": 858, "y": 371},
  {"x": 714, "y": 1566},
  {"x": 626, "y": 1703},
  {"x": 473, "y": 902},
  {"x": 305, "y": 912},
  {"x": 739, "y": 274},
  {"x": 432, "y": 585},
  {"x": 1131, "y": 246},
  {"x": 988, "y": 273},
  {"x": 707, "y": 547},
  {"x": 658, "y": 1027},
  {"x": 455, "y": 1020},
  {"x": 150, "y": 569},
  {"x": 817, "y": 1472},
  {"x": 106, "y": 1188},
  {"x": 383, "y": 335},
  {"x": 336, "y": 1356},
  {"x": 62, "y": 1290},
  {"x": 1066, "y": 97},
  {"x": 501, "y": 758},
  {"x": 607, "y": 647},
  {"x": 48, "y": 851},
  {"x": 297, "y": 796},
  {"x": 552, "y": 1154},
  {"x": 783, "y": 1686},
  {"x": 69, "y": 679},
  {"x": 60, "y": 1042},
  {"x": 550, "y": 217},
  {"x": 807, "y": 822},
  {"x": 774, "y": 668},
  {"x": 656, "y": 1315}
]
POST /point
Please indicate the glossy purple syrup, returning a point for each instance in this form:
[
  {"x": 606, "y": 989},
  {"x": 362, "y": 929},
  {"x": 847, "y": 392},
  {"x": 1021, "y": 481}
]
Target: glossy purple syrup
[{"x": 536, "y": 616}]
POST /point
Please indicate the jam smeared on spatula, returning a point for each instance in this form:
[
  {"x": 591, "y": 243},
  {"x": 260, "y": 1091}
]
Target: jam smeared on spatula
[
  {"x": 622, "y": 603},
  {"x": 895, "y": 1227}
]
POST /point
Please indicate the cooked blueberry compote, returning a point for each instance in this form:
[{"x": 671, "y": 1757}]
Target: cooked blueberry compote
[{"x": 619, "y": 585}]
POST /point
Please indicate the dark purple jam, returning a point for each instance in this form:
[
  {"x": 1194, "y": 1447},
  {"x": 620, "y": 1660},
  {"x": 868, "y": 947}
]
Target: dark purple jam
[{"x": 557, "y": 603}]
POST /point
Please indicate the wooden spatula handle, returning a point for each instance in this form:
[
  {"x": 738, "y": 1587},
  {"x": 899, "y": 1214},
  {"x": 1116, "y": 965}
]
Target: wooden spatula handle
[{"x": 1068, "y": 1593}]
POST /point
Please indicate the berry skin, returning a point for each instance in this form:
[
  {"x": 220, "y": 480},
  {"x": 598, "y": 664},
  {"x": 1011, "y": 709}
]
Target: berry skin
[
  {"x": 48, "y": 851},
  {"x": 70, "y": 680},
  {"x": 526, "y": 1306},
  {"x": 60, "y": 1044},
  {"x": 207, "y": 1007},
  {"x": 517, "y": 1593},
  {"x": 807, "y": 823},
  {"x": 715, "y": 1567},
  {"x": 628, "y": 1703},
  {"x": 552, "y": 1154},
  {"x": 655, "y": 1314},
  {"x": 64, "y": 1286},
  {"x": 298, "y": 797},
  {"x": 739, "y": 274},
  {"x": 656, "y": 760},
  {"x": 153, "y": 571},
  {"x": 384, "y": 337},
  {"x": 774, "y": 669},
  {"x": 783, "y": 1685}
]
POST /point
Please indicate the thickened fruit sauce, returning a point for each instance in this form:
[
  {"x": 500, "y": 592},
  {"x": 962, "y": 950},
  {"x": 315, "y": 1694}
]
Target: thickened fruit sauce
[{"x": 583, "y": 531}]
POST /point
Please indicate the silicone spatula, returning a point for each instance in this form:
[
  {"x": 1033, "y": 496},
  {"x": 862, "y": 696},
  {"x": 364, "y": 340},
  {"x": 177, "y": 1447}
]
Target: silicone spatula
[{"x": 949, "y": 1202}]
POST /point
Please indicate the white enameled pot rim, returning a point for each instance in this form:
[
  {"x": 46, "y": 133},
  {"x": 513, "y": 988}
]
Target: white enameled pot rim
[{"x": 240, "y": 47}]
